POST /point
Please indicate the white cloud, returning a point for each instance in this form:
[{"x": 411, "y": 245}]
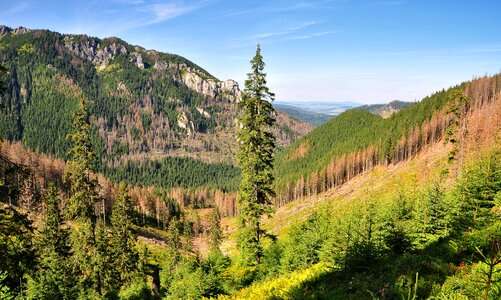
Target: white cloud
[
  {"x": 309, "y": 36},
  {"x": 165, "y": 11}
]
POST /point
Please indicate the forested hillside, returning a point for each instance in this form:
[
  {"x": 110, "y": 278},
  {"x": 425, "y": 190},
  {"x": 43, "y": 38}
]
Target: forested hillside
[
  {"x": 147, "y": 106},
  {"x": 357, "y": 140},
  {"x": 427, "y": 227},
  {"x": 407, "y": 207}
]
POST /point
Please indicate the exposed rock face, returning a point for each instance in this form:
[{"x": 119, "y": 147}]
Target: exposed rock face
[
  {"x": 92, "y": 51},
  {"x": 386, "y": 110},
  {"x": 20, "y": 30},
  {"x": 138, "y": 59},
  {"x": 195, "y": 82},
  {"x": 211, "y": 87},
  {"x": 231, "y": 87},
  {"x": 4, "y": 30},
  {"x": 160, "y": 65}
]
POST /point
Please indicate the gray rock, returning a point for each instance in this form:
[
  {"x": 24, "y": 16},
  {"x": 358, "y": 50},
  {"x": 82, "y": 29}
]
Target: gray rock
[
  {"x": 5, "y": 30},
  {"x": 211, "y": 87}
]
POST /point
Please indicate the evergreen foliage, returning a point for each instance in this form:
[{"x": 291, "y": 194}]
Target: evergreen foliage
[
  {"x": 83, "y": 196},
  {"x": 176, "y": 172},
  {"x": 17, "y": 256},
  {"x": 215, "y": 231},
  {"x": 352, "y": 131},
  {"x": 255, "y": 158},
  {"x": 123, "y": 238},
  {"x": 54, "y": 277}
]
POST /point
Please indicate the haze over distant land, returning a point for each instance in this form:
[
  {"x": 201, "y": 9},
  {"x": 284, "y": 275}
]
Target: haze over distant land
[{"x": 371, "y": 51}]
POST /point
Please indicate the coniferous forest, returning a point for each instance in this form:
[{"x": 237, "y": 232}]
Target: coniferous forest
[{"x": 122, "y": 179}]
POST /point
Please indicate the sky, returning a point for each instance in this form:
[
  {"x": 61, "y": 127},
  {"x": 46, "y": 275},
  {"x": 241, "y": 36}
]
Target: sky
[{"x": 368, "y": 51}]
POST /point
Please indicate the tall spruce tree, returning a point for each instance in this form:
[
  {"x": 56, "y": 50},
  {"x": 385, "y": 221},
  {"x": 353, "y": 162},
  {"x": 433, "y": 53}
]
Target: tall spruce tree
[
  {"x": 255, "y": 158},
  {"x": 215, "y": 231},
  {"x": 83, "y": 196},
  {"x": 123, "y": 238}
]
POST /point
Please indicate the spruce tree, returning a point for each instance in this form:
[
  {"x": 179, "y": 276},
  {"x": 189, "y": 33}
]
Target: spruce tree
[
  {"x": 123, "y": 238},
  {"x": 53, "y": 278},
  {"x": 255, "y": 158},
  {"x": 215, "y": 231},
  {"x": 83, "y": 196}
]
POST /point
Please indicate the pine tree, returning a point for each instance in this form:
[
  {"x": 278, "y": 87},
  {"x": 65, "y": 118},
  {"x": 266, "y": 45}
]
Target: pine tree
[
  {"x": 255, "y": 158},
  {"x": 53, "y": 278},
  {"x": 215, "y": 232},
  {"x": 123, "y": 238},
  {"x": 83, "y": 196}
]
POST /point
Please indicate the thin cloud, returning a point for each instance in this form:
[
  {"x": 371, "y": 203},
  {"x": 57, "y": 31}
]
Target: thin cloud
[
  {"x": 166, "y": 11},
  {"x": 304, "y": 5},
  {"x": 288, "y": 31},
  {"x": 309, "y": 36},
  {"x": 279, "y": 7},
  {"x": 237, "y": 13},
  {"x": 131, "y": 14}
]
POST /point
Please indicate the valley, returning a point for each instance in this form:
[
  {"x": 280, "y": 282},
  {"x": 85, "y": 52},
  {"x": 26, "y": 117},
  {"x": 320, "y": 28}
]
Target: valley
[{"x": 134, "y": 173}]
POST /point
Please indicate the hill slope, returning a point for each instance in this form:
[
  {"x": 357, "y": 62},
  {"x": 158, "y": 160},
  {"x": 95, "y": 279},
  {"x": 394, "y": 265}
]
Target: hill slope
[
  {"x": 427, "y": 227},
  {"x": 146, "y": 105}
]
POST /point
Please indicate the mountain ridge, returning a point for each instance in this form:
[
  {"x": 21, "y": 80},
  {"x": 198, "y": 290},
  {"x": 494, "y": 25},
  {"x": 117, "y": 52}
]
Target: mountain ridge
[{"x": 146, "y": 105}]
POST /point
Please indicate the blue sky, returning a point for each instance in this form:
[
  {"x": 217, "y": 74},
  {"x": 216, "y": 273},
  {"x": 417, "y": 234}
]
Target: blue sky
[{"x": 368, "y": 51}]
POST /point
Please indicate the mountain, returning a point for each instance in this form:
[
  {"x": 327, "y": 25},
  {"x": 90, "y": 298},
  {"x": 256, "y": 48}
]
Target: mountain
[
  {"x": 147, "y": 107},
  {"x": 385, "y": 110},
  {"x": 302, "y": 114},
  {"x": 358, "y": 140},
  {"x": 321, "y": 107},
  {"x": 403, "y": 207},
  {"x": 314, "y": 112},
  {"x": 367, "y": 207},
  {"x": 318, "y": 113}
]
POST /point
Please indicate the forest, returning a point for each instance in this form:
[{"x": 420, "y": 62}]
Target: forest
[{"x": 361, "y": 207}]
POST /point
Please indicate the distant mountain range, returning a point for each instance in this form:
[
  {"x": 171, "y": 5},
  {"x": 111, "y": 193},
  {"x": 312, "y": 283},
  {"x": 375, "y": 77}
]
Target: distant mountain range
[{"x": 317, "y": 113}]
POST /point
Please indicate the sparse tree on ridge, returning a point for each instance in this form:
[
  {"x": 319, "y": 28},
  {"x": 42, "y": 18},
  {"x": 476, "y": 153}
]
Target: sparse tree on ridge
[{"x": 255, "y": 158}]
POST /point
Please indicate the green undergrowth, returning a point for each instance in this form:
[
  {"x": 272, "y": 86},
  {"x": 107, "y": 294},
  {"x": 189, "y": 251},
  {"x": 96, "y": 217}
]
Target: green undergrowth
[{"x": 413, "y": 236}]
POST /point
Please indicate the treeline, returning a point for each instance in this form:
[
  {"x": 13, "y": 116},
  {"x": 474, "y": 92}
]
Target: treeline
[
  {"x": 357, "y": 141},
  {"x": 176, "y": 172},
  {"x": 153, "y": 205}
]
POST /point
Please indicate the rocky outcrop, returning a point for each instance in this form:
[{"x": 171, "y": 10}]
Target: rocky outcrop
[
  {"x": 386, "y": 110},
  {"x": 231, "y": 87},
  {"x": 137, "y": 59},
  {"x": 6, "y": 30},
  {"x": 160, "y": 65},
  {"x": 92, "y": 51},
  {"x": 211, "y": 87}
]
